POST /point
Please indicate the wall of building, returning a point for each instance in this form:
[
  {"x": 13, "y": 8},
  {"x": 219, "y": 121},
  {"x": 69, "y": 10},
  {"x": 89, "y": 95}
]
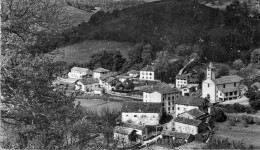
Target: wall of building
[
  {"x": 76, "y": 74},
  {"x": 183, "y": 108},
  {"x": 141, "y": 118},
  {"x": 154, "y": 97},
  {"x": 181, "y": 82},
  {"x": 186, "y": 128},
  {"x": 168, "y": 102},
  {"x": 186, "y": 115},
  {"x": 146, "y": 75}
]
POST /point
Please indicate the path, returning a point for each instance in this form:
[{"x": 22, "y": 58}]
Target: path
[
  {"x": 243, "y": 101},
  {"x": 181, "y": 71}
]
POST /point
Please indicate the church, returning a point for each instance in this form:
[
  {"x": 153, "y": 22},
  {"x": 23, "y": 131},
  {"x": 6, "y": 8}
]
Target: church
[{"x": 223, "y": 88}]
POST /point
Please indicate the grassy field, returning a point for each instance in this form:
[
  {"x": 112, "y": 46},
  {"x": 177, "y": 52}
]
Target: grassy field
[
  {"x": 81, "y": 52},
  {"x": 249, "y": 135}
]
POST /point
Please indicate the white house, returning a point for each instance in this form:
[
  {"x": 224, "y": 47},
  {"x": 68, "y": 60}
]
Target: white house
[
  {"x": 77, "y": 72},
  {"x": 189, "y": 126},
  {"x": 162, "y": 93},
  {"x": 147, "y": 73},
  {"x": 99, "y": 72},
  {"x": 87, "y": 84},
  {"x": 186, "y": 103},
  {"x": 133, "y": 73},
  {"x": 141, "y": 113},
  {"x": 223, "y": 88},
  {"x": 181, "y": 80}
]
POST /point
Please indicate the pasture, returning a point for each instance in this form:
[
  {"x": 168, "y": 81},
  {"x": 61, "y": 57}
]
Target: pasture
[{"x": 81, "y": 52}]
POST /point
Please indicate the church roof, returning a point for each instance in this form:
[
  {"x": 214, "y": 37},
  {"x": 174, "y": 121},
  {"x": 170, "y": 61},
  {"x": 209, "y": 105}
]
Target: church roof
[{"x": 227, "y": 79}]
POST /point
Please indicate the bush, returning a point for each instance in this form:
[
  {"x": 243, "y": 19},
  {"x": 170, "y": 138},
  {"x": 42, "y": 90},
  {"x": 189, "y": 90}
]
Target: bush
[
  {"x": 249, "y": 120},
  {"x": 218, "y": 114}
]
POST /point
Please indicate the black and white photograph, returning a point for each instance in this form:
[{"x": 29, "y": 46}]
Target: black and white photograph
[{"x": 130, "y": 74}]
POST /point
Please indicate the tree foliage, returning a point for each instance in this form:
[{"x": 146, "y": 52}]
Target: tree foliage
[{"x": 254, "y": 97}]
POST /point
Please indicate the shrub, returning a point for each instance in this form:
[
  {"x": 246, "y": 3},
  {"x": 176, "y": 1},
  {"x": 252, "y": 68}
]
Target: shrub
[
  {"x": 232, "y": 123},
  {"x": 218, "y": 114},
  {"x": 249, "y": 120}
]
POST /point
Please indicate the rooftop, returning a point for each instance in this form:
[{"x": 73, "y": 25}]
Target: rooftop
[
  {"x": 141, "y": 107},
  {"x": 190, "y": 101},
  {"x": 228, "y": 79},
  {"x": 123, "y": 130},
  {"x": 195, "y": 113},
  {"x": 256, "y": 84},
  {"x": 101, "y": 70},
  {"x": 86, "y": 81},
  {"x": 183, "y": 120},
  {"x": 133, "y": 72},
  {"x": 162, "y": 88},
  {"x": 176, "y": 134},
  {"x": 183, "y": 77},
  {"x": 104, "y": 77},
  {"x": 133, "y": 126},
  {"x": 79, "y": 69},
  {"x": 147, "y": 68}
]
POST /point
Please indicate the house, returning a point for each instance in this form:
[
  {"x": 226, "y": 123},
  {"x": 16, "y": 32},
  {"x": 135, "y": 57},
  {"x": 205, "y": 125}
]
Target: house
[
  {"x": 147, "y": 73},
  {"x": 103, "y": 79},
  {"x": 188, "y": 89},
  {"x": 141, "y": 113},
  {"x": 194, "y": 114},
  {"x": 123, "y": 78},
  {"x": 108, "y": 81},
  {"x": 181, "y": 80},
  {"x": 89, "y": 74},
  {"x": 125, "y": 134},
  {"x": 189, "y": 126},
  {"x": 186, "y": 103},
  {"x": 141, "y": 130},
  {"x": 77, "y": 72},
  {"x": 256, "y": 85},
  {"x": 178, "y": 136},
  {"x": 87, "y": 84},
  {"x": 98, "y": 91},
  {"x": 133, "y": 73},
  {"x": 162, "y": 93},
  {"x": 99, "y": 72},
  {"x": 223, "y": 88}
]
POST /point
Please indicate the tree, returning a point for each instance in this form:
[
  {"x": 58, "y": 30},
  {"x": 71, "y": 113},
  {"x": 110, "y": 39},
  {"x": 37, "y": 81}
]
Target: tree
[
  {"x": 223, "y": 71},
  {"x": 218, "y": 114},
  {"x": 255, "y": 56},
  {"x": 147, "y": 54},
  {"x": 34, "y": 116},
  {"x": 254, "y": 97},
  {"x": 109, "y": 59},
  {"x": 238, "y": 64}
]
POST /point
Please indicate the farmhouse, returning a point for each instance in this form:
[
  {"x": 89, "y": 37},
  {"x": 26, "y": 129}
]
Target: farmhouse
[
  {"x": 223, "y": 88},
  {"x": 77, "y": 72},
  {"x": 147, "y": 73},
  {"x": 186, "y": 103},
  {"x": 162, "y": 93},
  {"x": 178, "y": 136},
  {"x": 87, "y": 84},
  {"x": 141, "y": 113},
  {"x": 189, "y": 126},
  {"x": 181, "y": 80},
  {"x": 99, "y": 72}
]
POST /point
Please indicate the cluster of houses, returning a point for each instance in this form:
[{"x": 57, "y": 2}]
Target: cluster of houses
[{"x": 143, "y": 120}]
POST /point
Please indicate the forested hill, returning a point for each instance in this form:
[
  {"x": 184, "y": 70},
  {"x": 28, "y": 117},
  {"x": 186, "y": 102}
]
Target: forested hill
[{"x": 166, "y": 24}]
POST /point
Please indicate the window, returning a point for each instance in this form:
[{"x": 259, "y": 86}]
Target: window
[
  {"x": 184, "y": 109},
  {"x": 226, "y": 94},
  {"x": 235, "y": 84},
  {"x": 224, "y": 86},
  {"x": 153, "y": 116},
  {"x": 135, "y": 115},
  {"x": 172, "y": 97},
  {"x": 163, "y": 109},
  {"x": 172, "y": 102},
  {"x": 220, "y": 94},
  {"x": 178, "y": 108},
  {"x": 169, "y": 98},
  {"x": 163, "y": 98},
  {"x": 208, "y": 85},
  {"x": 231, "y": 93},
  {"x": 235, "y": 93},
  {"x": 162, "y": 104},
  {"x": 150, "y": 73},
  {"x": 172, "y": 107},
  {"x": 169, "y": 108},
  {"x": 169, "y": 103},
  {"x": 126, "y": 115},
  {"x": 150, "y": 77}
]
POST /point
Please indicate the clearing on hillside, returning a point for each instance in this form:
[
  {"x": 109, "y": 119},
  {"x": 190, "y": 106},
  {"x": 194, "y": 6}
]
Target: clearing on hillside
[{"x": 81, "y": 52}]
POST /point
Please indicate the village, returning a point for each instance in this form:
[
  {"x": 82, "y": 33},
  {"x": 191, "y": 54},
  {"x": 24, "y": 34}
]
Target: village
[{"x": 154, "y": 111}]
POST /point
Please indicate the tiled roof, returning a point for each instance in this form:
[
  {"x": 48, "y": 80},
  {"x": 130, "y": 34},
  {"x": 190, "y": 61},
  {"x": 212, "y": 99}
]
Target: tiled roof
[
  {"x": 243, "y": 85},
  {"x": 109, "y": 79},
  {"x": 141, "y": 107},
  {"x": 79, "y": 69},
  {"x": 183, "y": 76},
  {"x": 226, "y": 90},
  {"x": 190, "y": 101},
  {"x": 147, "y": 68},
  {"x": 257, "y": 84},
  {"x": 133, "y": 72},
  {"x": 195, "y": 113},
  {"x": 101, "y": 70},
  {"x": 104, "y": 77},
  {"x": 162, "y": 88},
  {"x": 86, "y": 81},
  {"x": 183, "y": 120},
  {"x": 133, "y": 126},
  {"x": 123, "y": 130},
  {"x": 176, "y": 134},
  {"x": 227, "y": 79}
]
